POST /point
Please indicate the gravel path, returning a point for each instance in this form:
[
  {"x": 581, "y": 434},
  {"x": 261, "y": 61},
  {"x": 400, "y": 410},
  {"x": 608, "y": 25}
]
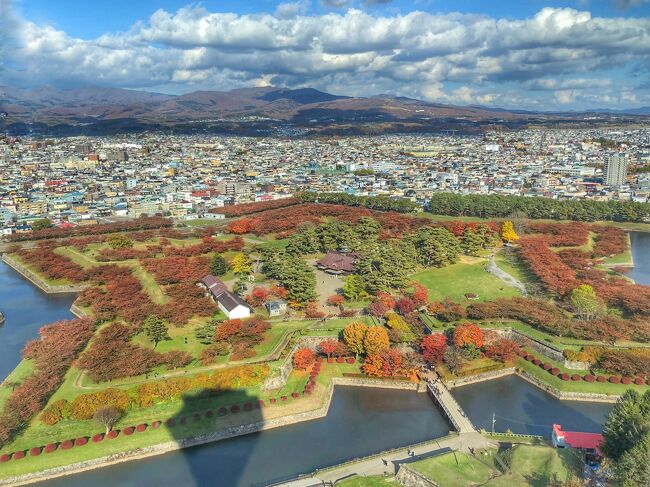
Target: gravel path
[{"x": 508, "y": 279}]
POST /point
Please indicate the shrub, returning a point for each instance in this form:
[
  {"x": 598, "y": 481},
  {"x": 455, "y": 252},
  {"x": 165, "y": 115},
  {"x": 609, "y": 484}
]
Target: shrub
[
  {"x": 564, "y": 376},
  {"x": 537, "y": 361},
  {"x": 235, "y": 408},
  {"x": 4, "y": 458},
  {"x": 555, "y": 371},
  {"x": 208, "y": 414},
  {"x": 81, "y": 441},
  {"x": 547, "y": 366},
  {"x": 141, "y": 427},
  {"x": 614, "y": 379},
  {"x": 589, "y": 378},
  {"x": 50, "y": 447},
  {"x": 273, "y": 400},
  {"x": 128, "y": 431},
  {"x": 113, "y": 434},
  {"x": 98, "y": 437},
  {"x": 36, "y": 451},
  {"x": 639, "y": 381},
  {"x": 156, "y": 424},
  {"x": 576, "y": 377},
  {"x": 601, "y": 378},
  {"x": 261, "y": 403},
  {"x": 66, "y": 445},
  {"x": 19, "y": 455},
  {"x": 339, "y": 360},
  {"x": 248, "y": 406},
  {"x": 529, "y": 357},
  {"x": 350, "y": 360},
  {"x": 626, "y": 380},
  {"x": 172, "y": 422},
  {"x": 222, "y": 411},
  {"x": 295, "y": 395}
]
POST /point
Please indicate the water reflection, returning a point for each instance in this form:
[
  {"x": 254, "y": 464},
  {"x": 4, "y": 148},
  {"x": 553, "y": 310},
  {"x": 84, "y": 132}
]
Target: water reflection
[
  {"x": 641, "y": 255},
  {"x": 26, "y": 309},
  {"x": 523, "y": 408}
]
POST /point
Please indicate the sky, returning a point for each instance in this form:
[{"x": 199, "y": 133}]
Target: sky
[{"x": 528, "y": 54}]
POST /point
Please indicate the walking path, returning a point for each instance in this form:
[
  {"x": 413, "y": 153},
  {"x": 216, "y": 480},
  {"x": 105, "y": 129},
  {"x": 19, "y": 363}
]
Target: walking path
[
  {"x": 390, "y": 462},
  {"x": 508, "y": 279}
]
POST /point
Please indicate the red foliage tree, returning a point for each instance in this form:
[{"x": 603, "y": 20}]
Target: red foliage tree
[
  {"x": 433, "y": 348},
  {"x": 328, "y": 347}
]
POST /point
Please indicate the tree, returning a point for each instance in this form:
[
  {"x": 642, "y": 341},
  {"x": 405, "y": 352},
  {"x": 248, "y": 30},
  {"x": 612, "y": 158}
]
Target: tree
[
  {"x": 241, "y": 264},
  {"x": 376, "y": 340},
  {"x": 41, "y": 224},
  {"x": 353, "y": 335},
  {"x": 303, "y": 358},
  {"x": 156, "y": 329},
  {"x": 454, "y": 359},
  {"x": 585, "y": 302},
  {"x": 508, "y": 233},
  {"x": 367, "y": 228},
  {"x": 436, "y": 247},
  {"x": 392, "y": 361},
  {"x": 633, "y": 469},
  {"x": 627, "y": 424},
  {"x": 119, "y": 241},
  {"x": 218, "y": 265},
  {"x": 205, "y": 334},
  {"x": 373, "y": 365},
  {"x": 468, "y": 334},
  {"x": 328, "y": 347},
  {"x": 354, "y": 287},
  {"x": 107, "y": 416},
  {"x": 433, "y": 348},
  {"x": 471, "y": 242}
]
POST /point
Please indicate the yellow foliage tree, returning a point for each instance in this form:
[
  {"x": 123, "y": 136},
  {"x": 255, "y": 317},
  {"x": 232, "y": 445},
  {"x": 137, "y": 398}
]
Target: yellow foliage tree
[
  {"x": 376, "y": 340},
  {"x": 353, "y": 335},
  {"x": 241, "y": 264},
  {"x": 508, "y": 233}
]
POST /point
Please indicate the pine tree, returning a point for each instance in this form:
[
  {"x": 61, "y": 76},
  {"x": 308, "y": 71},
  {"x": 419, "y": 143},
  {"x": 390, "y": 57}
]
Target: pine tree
[
  {"x": 218, "y": 265},
  {"x": 155, "y": 329}
]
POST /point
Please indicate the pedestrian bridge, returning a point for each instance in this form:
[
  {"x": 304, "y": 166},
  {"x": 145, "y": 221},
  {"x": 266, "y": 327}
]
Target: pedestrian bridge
[{"x": 457, "y": 417}]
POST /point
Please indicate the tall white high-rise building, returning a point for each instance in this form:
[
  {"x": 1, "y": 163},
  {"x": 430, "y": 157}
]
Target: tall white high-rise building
[{"x": 615, "y": 170}]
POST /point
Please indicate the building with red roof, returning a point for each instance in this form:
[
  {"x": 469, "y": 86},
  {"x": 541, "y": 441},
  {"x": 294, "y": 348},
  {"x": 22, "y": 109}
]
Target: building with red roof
[{"x": 576, "y": 439}]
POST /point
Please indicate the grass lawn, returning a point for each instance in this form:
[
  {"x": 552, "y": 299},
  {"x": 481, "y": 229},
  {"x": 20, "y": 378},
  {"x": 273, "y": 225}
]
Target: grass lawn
[
  {"x": 471, "y": 367},
  {"x": 454, "y": 469},
  {"x": 454, "y": 281},
  {"x": 16, "y": 376},
  {"x": 535, "y": 466},
  {"x": 372, "y": 481},
  {"x": 510, "y": 262},
  {"x": 574, "y": 386},
  {"x": 149, "y": 284}
]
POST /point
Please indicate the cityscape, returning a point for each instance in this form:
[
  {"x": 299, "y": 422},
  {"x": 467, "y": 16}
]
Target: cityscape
[{"x": 301, "y": 243}]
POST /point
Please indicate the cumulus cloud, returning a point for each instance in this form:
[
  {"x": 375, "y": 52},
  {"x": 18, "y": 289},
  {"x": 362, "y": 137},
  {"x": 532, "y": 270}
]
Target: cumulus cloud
[{"x": 558, "y": 55}]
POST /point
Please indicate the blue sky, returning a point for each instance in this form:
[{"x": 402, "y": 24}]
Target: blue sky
[{"x": 571, "y": 54}]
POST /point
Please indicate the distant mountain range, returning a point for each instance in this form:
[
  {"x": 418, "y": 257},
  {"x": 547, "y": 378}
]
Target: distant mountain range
[{"x": 95, "y": 109}]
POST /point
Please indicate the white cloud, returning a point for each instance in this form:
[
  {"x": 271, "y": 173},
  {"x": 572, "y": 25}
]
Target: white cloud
[{"x": 556, "y": 55}]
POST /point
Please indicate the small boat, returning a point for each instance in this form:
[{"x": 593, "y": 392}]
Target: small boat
[{"x": 2, "y": 318}]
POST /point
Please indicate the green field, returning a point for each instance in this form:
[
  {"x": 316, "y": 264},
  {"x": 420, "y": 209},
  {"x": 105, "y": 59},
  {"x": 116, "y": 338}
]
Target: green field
[
  {"x": 454, "y": 281},
  {"x": 372, "y": 481},
  {"x": 535, "y": 466}
]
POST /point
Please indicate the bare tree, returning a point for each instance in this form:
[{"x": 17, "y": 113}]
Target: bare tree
[{"x": 107, "y": 416}]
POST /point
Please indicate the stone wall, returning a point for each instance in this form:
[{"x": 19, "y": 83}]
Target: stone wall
[
  {"x": 492, "y": 374},
  {"x": 279, "y": 379},
  {"x": 567, "y": 396},
  {"x": 38, "y": 280},
  {"x": 378, "y": 383},
  {"x": 408, "y": 477}
]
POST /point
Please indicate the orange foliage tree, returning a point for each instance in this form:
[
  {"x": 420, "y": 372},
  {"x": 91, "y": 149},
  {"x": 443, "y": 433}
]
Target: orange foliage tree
[
  {"x": 376, "y": 340},
  {"x": 303, "y": 358},
  {"x": 353, "y": 335},
  {"x": 467, "y": 334}
]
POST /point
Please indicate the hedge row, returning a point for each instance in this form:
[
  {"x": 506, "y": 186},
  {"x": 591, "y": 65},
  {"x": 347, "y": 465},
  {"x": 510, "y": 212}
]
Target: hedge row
[
  {"x": 142, "y": 427},
  {"x": 612, "y": 379}
]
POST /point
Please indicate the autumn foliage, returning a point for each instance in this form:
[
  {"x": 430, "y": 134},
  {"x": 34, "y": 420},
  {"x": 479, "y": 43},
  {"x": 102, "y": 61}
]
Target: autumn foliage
[
  {"x": 467, "y": 334},
  {"x": 52, "y": 354},
  {"x": 303, "y": 358},
  {"x": 433, "y": 348}
]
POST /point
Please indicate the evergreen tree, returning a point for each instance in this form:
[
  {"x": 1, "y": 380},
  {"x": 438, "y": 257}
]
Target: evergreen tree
[
  {"x": 218, "y": 265},
  {"x": 471, "y": 242},
  {"x": 354, "y": 288},
  {"x": 627, "y": 424},
  {"x": 436, "y": 247},
  {"x": 156, "y": 329},
  {"x": 205, "y": 334}
]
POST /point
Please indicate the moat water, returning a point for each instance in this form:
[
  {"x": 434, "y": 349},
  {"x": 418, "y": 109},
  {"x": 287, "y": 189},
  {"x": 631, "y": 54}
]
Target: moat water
[{"x": 360, "y": 421}]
